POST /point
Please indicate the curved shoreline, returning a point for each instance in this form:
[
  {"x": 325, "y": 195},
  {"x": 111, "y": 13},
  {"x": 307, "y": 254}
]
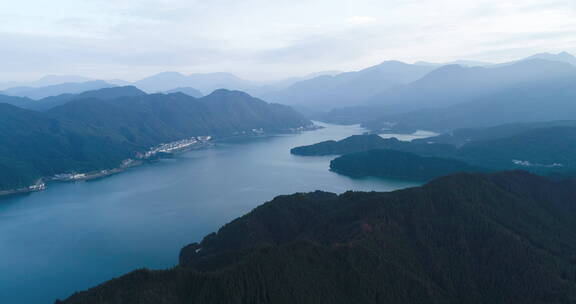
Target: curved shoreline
[{"x": 153, "y": 154}]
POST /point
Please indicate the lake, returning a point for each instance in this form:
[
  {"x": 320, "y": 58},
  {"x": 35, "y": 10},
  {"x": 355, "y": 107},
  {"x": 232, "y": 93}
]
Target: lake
[{"x": 76, "y": 235}]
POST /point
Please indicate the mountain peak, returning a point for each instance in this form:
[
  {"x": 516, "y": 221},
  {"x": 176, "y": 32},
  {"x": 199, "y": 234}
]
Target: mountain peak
[
  {"x": 560, "y": 57},
  {"x": 169, "y": 74},
  {"x": 226, "y": 92},
  {"x": 111, "y": 93},
  {"x": 49, "y": 80}
]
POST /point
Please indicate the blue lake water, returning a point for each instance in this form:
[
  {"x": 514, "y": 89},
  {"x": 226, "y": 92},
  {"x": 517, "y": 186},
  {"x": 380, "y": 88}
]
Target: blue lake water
[{"x": 76, "y": 235}]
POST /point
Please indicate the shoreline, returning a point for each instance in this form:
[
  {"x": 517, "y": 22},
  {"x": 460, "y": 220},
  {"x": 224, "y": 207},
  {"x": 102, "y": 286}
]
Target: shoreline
[{"x": 156, "y": 153}]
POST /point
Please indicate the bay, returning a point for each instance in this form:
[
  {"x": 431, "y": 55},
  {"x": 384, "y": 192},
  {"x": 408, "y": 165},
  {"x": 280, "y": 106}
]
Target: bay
[{"x": 76, "y": 235}]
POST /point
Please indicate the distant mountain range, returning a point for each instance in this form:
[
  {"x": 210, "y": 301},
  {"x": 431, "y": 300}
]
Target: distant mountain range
[
  {"x": 560, "y": 57},
  {"x": 457, "y": 84},
  {"x": 186, "y": 90},
  {"x": 54, "y": 101},
  {"x": 100, "y": 129},
  {"x": 391, "y": 87},
  {"x": 501, "y": 238},
  {"x": 205, "y": 83},
  {"x": 466, "y": 63},
  {"x": 347, "y": 89},
  {"x": 526, "y": 102},
  {"x": 57, "y": 89},
  {"x": 455, "y": 97}
]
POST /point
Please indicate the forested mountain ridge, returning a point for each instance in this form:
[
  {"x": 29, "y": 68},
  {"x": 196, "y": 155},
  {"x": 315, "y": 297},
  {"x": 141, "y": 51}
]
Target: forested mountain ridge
[
  {"x": 100, "y": 129},
  {"x": 400, "y": 165},
  {"x": 546, "y": 148},
  {"x": 360, "y": 143},
  {"x": 33, "y": 145},
  {"x": 508, "y": 237}
]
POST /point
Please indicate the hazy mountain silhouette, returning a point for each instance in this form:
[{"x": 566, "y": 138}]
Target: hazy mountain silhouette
[
  {"x": 453, "y": 85},
  {"x": 58, "y": 89},
  {"x": 53, "y": 101},
  {"x": 103, "y": 94},
  {"x": 48, "y": 80},
  {"x": 204, "y": 82},
  {"x": 186, "y": 90},
  {"x": 456, "y": 84},
  {"x": 550, "y": 100},
  {"x": 348, "y": 89},
  {"x": 561, "y": 57},
  {"x": 466, "y": 63}
]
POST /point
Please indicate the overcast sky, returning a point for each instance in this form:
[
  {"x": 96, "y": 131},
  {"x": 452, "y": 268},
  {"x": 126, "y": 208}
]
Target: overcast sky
[{"x": 269, "y": 39}]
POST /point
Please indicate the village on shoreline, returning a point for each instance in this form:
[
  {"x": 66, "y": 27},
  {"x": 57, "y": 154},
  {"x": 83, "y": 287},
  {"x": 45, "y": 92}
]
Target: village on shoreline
[{"x": 154, "y": 153}]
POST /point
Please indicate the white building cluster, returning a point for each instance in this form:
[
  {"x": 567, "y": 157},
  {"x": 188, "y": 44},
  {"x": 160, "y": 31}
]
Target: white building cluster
[{"x": 173, "y": 147}]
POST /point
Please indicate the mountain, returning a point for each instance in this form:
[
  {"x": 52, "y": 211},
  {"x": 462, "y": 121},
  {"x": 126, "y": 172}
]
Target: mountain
[
  {"x": 152, "y": 119},
  {"x": 453, "y": 85},
  {"x": 54, "y": 90},
  {"x": 102, "y": 94},
  {"x": 456, "y": 84},
  {"x": 540, "y": 101},
  {"x": 186, "y": 90},
  {"x": 538, "y": 150},
  {"x": 560, "y": 57},
  {"x": 33, "y": 145},
  {"x": 50, "y": 80},
  {"x": 398, "y": 165},
  {"x": 360, "y": 143},
  {"x": 502, "y": 238},
  {"x": 21, "y": 102},
  {"x": 54, "y": 101},
  {"x": 543, "y": 148},
  {"x": 466, "y": 63},
  {"x": 98, "y": 130},
  {"x": 348, "y": 89},
  {"x": 204, "y": 82}
]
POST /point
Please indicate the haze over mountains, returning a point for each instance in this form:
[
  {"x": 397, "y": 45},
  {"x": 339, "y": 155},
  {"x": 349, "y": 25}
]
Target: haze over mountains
[
  {"x": 391, "y": 85},
  {"x": 56, "y": 89},
  {"x": 348, "y": 89}
]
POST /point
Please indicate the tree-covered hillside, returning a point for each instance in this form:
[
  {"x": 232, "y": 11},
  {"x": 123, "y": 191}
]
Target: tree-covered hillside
[
  {"x": 98, "y": 130},
  {"x": 471, "y": 238}
]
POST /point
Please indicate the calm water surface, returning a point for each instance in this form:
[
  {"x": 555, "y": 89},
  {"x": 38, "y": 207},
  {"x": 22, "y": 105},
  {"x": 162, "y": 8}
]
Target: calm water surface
[{"x": 76, "y": 235}]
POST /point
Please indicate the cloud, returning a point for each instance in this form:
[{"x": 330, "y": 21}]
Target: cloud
[
  {"x": 269, "y": 39},
  {"x": 361, "y": 20}
]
